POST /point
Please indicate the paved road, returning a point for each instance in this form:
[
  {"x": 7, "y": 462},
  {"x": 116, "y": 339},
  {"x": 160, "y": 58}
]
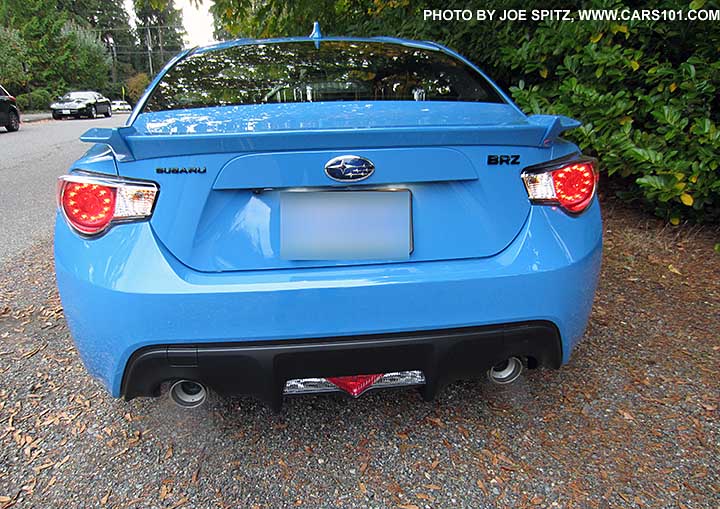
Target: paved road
[{"x": 30, "y": 161}]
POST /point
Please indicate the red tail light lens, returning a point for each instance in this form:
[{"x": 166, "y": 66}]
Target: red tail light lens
[
  {"x": 575, "y": 185},
  {"x": 569, "y": 183},
  {"x": 88, "y": 207},
  {"x": 91, "y": 203}
]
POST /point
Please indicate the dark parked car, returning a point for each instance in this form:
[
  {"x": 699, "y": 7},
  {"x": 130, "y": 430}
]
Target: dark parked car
[
  {"x": 9, "y": 112},
  {"x": 81, "y": 104}
]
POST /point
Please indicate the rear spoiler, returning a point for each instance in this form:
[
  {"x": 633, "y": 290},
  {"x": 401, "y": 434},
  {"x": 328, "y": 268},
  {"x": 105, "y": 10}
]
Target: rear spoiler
[
  {"x": 113, "y": 138},
  {"x": 127, "y": 143},
  {"x": 555, "y": 124}
]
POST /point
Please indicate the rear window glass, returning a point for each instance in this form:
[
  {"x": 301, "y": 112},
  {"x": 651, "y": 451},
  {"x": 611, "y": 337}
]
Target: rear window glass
[{"x": 301, "y": 72}]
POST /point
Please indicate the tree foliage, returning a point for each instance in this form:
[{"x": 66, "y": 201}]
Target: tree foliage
[
  {"x": 90, "y": 63},
  {"x": 48, "y": 47},
  {"x": 136, "y": 85},
  {"x": 56, "y": 53},
  {"x": 13, "y": 53},
  {"x": 163, "y": 33},
  {"x": 110, "y": 22}
]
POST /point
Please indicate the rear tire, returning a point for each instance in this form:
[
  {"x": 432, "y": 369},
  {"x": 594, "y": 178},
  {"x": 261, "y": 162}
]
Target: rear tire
[
  {"x": 108, "y": 113},
  {"x": 93, "y": 111},
  {"x": 56, "y": 116},
  {"x": 14, "y": 123}
]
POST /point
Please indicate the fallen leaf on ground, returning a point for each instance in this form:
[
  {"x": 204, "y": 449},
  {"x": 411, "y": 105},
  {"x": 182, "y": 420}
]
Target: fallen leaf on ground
[
  {"x": 627, "y": 415},
  {"x": 180, "y": 502},
  {"x": 482, "y": 487},
  {"x": 165, "y": 490},
  {"x": 436, "y": 421}
]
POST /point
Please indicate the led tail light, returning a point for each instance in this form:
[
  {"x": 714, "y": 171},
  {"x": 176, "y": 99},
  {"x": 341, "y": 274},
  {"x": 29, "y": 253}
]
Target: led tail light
[
  {"x": 570, "y": 183},
  {"x": 91, "y": 203}
]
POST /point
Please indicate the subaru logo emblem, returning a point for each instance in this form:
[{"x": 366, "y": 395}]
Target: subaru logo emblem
[{"x": 349, "y": 168}]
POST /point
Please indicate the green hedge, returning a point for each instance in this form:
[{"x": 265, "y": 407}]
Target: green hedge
[
  {"x": 647, "y": 94},
  {"x": 38, "y": 99}
]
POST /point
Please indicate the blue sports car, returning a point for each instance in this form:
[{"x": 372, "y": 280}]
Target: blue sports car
[{"x": 318, "y": 214}]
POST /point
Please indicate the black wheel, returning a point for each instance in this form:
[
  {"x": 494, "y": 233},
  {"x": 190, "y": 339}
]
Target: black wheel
[
  {"x": 56, "y": 116},
  {"x": 93, "y": 111},
  {"x": 108, "y": 113},
  {"x": 14, "y": 123}
]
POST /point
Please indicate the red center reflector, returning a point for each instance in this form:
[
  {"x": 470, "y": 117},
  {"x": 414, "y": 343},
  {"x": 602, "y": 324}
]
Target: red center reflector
[
  {"x": 90, "y": 207},
  {"x": 574, "y": 185},
  {"x": 354, "y": 385}
]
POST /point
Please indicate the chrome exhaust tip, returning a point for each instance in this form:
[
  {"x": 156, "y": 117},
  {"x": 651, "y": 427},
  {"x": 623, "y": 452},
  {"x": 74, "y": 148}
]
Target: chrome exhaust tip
[
  {"x": 188, "y": 393},
  {"x": 506, "y": 372}
]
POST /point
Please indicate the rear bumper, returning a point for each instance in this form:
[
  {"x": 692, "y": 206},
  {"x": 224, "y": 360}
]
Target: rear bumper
[
  {"x": 123, "y": 294},
  {"x": 262, "y": 369}
]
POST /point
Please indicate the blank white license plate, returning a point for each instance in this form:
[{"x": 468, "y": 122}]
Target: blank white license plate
[
  {"x": 65, "y": 112},
  {"x": 345, "y": 225}
]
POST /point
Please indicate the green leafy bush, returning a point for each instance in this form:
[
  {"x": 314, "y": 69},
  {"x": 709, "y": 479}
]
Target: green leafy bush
[
  {"x": 648, "y": 96},
  {"x": 38, "y": 99}
]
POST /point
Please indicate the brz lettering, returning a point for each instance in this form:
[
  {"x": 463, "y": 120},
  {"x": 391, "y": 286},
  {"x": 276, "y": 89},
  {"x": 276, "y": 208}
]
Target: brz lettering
[
  {"x": 504, "y": 159},
  {"x": 191, "y": 169}
]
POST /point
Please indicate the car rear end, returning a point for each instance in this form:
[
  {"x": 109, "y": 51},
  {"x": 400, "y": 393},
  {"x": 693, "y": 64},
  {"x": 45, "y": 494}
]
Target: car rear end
[
  {"x": 9, "y": 111},
  {"x": 279, "y": 217}
]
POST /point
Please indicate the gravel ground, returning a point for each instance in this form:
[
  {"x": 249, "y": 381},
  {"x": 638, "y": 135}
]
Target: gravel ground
[{"x": 632, "y": 421}]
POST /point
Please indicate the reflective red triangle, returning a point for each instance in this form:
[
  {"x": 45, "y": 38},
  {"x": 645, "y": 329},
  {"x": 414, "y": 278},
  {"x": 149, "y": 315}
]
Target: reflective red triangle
[{"x": 355, "y": 385}]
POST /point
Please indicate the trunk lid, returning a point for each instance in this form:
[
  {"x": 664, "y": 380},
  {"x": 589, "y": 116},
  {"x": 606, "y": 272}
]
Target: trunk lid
[{"x": 222, "y": 173}]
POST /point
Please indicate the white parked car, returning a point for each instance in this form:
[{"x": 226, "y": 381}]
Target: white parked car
[{"x": 119, "y": 106}]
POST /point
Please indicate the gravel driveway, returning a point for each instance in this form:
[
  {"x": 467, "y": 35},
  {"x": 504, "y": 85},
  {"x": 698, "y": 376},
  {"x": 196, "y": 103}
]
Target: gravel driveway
[{"x": 632, "y": 421}]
